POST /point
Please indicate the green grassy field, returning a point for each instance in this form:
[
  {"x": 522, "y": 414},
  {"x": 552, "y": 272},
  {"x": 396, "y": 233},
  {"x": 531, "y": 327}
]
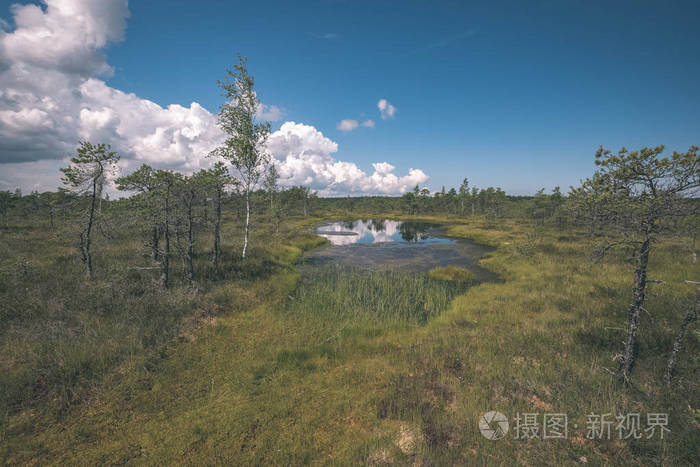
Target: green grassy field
[{"x": 263, "y": 367}]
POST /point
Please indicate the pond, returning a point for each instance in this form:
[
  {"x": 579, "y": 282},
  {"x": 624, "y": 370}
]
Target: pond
[
  {"x": 408, "y": 245},
  {"x": 398, "y": 233}
]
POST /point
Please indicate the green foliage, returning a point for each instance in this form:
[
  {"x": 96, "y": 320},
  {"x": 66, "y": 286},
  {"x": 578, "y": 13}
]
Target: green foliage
[
  {"x": 90, "y": 168},
  {"x": 638, "y": 194},
  {"x": 639, "y": 191},
  {"x": 299, "y": 199},
  {"x": 244, "y": 146},
  {"x": 87, "y": 175},
  {"x": 489, "y": 202},
  {"x": 245, "y": 135}
]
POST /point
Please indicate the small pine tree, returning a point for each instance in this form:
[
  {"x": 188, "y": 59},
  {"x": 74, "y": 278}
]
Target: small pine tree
[{"x": 86, "y": 175}]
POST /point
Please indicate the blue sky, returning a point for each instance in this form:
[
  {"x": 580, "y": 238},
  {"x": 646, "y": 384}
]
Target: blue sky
[{"x": 511, "y": 94}]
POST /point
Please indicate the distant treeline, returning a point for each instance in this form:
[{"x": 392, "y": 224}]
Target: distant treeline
[
  {"x": 491, "y": 203},
  {"x": 278, "y": 202}
]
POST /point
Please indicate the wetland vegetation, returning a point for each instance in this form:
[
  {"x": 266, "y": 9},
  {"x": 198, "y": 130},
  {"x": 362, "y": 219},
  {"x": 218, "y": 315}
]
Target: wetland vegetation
[
  {"x": 218, "y": 318},
  {"x": 280, "y": 358}
]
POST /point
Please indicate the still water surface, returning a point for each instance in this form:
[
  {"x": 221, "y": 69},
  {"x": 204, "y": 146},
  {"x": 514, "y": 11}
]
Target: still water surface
[
  {"x": 400, "y": 233},
  {"x": 384, "y": 243}
]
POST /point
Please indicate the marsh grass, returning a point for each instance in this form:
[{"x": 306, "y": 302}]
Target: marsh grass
[
  {"x": 61, "y": 336},
  {"x": 343, "y": 293},
  {"x": 336, "y": 375}
]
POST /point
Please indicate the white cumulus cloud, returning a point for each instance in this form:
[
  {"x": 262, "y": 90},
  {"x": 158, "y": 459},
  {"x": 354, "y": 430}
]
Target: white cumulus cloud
[
  {"x": 66, "y": 36},
  {"x": 52, "y": 94},
  {"x": 386, "y": 110},
  {"x": 368, "y": 123},
  {"x": 304, "y": 156},
  {"x": 383, "y": 168}
]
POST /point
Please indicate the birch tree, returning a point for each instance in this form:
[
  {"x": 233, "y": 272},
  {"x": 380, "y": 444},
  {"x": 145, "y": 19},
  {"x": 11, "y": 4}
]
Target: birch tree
[
  {"x": 86, "y": 175},
  {"x": 244, "y": 146}
]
